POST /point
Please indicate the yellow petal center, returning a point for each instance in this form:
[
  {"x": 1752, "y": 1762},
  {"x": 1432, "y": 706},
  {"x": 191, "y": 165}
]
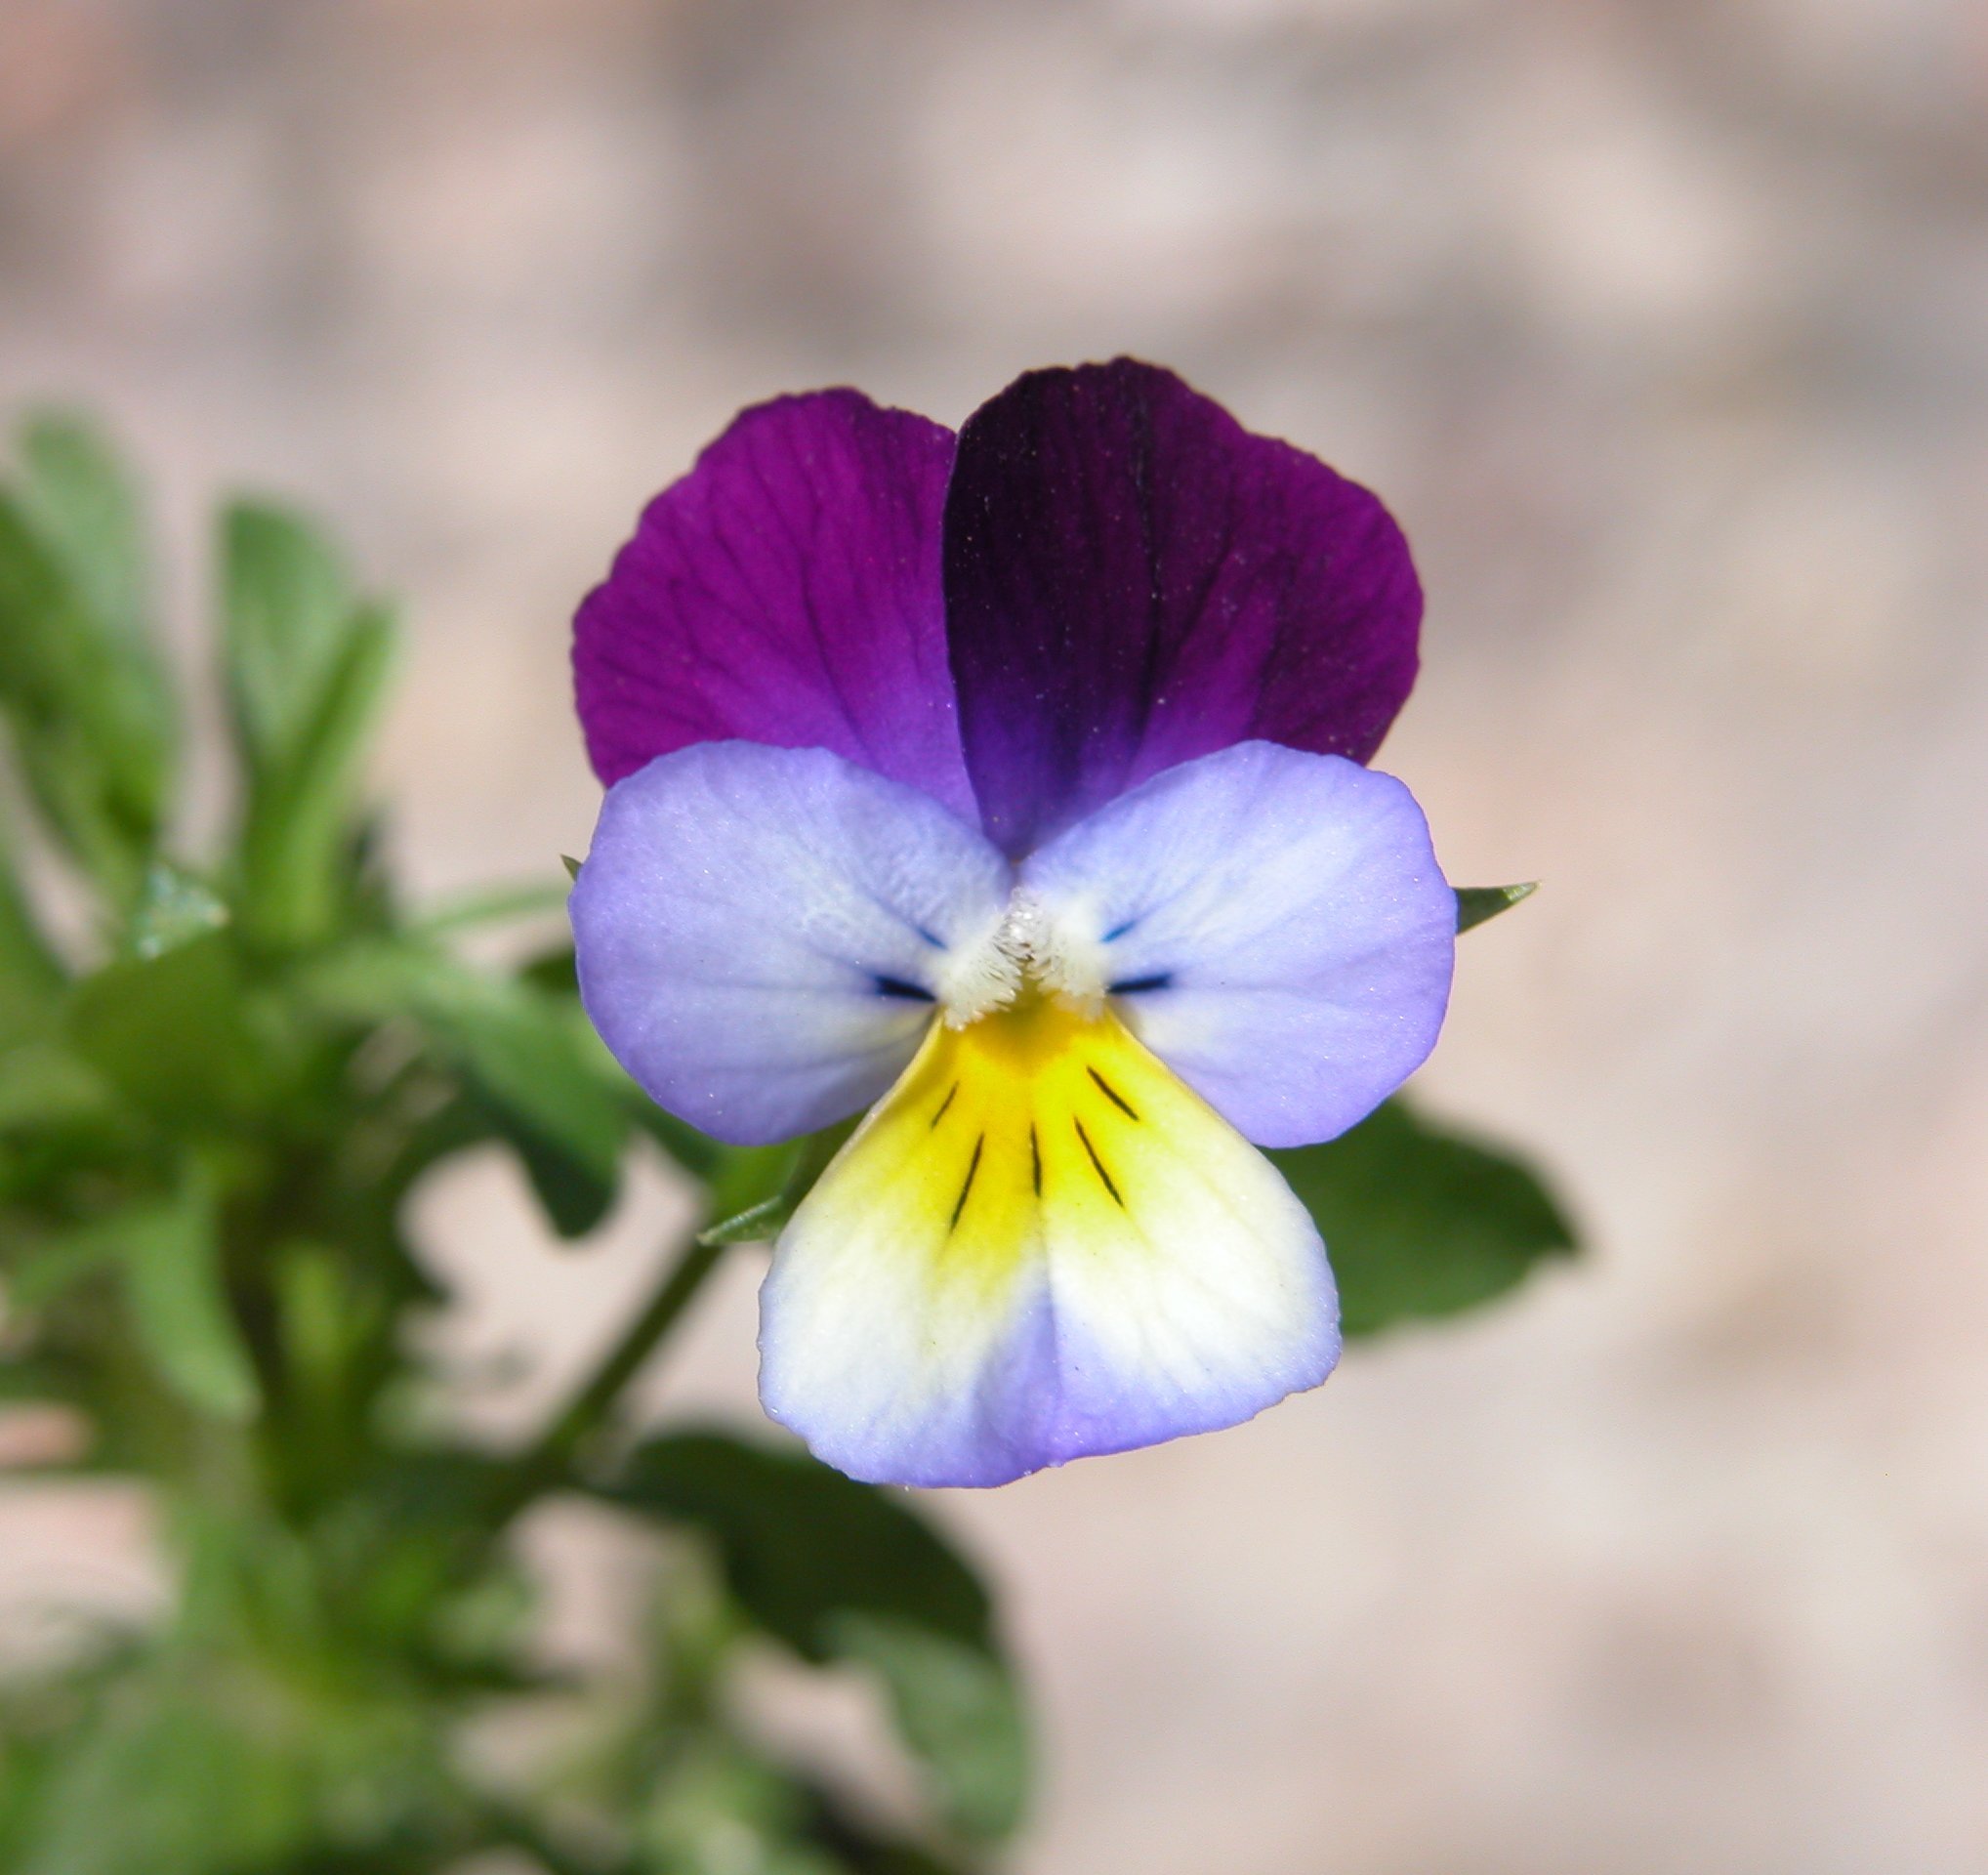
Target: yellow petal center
[
  {"x": 1040, "y": 1107},
  {"x": 1040, "y": 1243}
]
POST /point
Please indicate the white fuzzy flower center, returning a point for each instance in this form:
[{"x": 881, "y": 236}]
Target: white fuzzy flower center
[{"x": 1030, "y": 947}]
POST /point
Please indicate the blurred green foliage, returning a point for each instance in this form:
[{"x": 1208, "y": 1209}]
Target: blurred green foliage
[{"x": 217, "y": 1086}]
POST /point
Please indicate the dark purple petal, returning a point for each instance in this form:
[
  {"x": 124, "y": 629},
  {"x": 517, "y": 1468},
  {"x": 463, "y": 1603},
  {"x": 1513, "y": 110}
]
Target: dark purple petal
[
  {"x": 786, "y": 591},
  {"x": 1133, "y": 579}
]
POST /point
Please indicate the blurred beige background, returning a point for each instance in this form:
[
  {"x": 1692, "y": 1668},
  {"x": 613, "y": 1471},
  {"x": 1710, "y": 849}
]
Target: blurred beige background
[{"x": 1663, "y": 324}]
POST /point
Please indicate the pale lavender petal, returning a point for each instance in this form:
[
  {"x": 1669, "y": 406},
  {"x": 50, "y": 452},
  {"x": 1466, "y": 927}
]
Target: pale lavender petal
[
  {"x": 785, "y": 591},
  {"x": 759, "y": 932},
  {"x": 1133, "y": 579},
  {"x": 1275, "y": 927}
]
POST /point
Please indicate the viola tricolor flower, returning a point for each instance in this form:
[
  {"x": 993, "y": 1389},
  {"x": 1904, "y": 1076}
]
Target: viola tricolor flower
[{"x": 1010, "y": 785}]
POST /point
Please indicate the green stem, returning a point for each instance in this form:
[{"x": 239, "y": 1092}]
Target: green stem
[
  {"x": 490, "y": 907},
  {"x": 565, "y": 1438},
  {"x": 747, "y": 1176}
]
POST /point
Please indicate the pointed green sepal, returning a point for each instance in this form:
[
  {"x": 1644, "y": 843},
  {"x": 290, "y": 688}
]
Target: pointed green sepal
[
  {"x": 1476, "y": 903},
  {"x": 762, "y": 1221}
]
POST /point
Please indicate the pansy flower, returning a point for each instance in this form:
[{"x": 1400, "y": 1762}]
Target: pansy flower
[{"x": 1007, "y": 787}]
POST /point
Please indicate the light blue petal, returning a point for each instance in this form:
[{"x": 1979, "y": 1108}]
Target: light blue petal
[
  {"x": 758, "y": 931},
  {"x": 1274, "y": 926}
]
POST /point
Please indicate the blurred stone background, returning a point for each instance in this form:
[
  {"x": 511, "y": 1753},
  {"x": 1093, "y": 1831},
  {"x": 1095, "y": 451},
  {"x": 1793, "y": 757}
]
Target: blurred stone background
[{"x": 1663, "y": 324}]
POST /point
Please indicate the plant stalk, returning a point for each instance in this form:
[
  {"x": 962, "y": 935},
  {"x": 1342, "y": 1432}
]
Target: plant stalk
[{"x": 567, "y": 1436}]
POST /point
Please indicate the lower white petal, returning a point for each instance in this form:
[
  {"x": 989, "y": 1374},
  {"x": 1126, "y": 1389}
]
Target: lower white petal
[{"x": 1041, "y": 1245}]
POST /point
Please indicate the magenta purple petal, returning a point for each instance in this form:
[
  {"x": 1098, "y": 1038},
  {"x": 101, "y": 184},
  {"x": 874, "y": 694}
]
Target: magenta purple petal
[
  {"x": 786, "y": 591},
  {"x": 1132, "y": 580}
]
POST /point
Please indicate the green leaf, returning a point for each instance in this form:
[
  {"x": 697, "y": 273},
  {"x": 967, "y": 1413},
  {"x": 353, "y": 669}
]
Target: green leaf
[
  {"x": 720, "y": 1806},
  {"x": 840, "y": 1571},
  {"x": 493, "y": 906},
  {"x": 81, "y": 683},
  {"x": 555, "y": 974},
  {"x": 957, "y": 1709},
  {"x": 799, "y": 1167},
  {"x": 800, "y": 1542},
  {"x": 738, "y": 1174},
  {"x": 860, "y": 1847},
  {"x": 30, "y": 975},
  {"x": 571, "y": 1189},
  {"x": 178, "y": 1303},
  {"x": 1419, "y": 1223},
  {"x": 1476, "y": 903},
  {"x": 87, "y": 508},
  {"x": 169, "y": 1252},
  {"x": 698, "y": 1153},
  {"x": 287, "y": 612},
  {"x": 179, "y": 1791},
  {"x": 43, "y": 1084},
  {"x": 306, "y": 665},
  {"x": 40, "y": 1271},
  {"x": 174, "y": 1034},
  {"x": 526, "y": 1055},
  {"x": 300, "y": 842}
]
